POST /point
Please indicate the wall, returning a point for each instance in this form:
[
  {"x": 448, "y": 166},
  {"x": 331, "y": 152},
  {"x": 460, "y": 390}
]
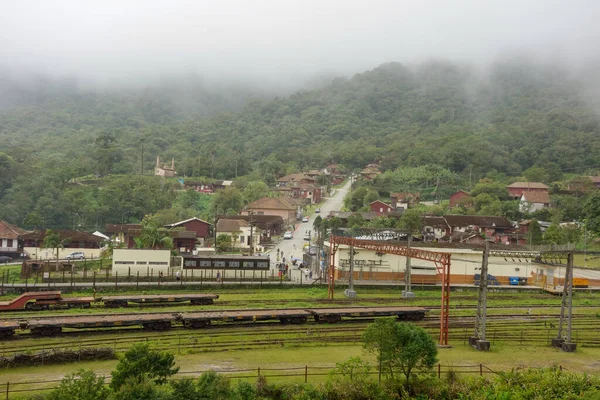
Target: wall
[
  {"x": 288, "y": 216},
  {"x": 36, "y": 253},
  {"x": 5, "y": 248},
  {"x": 201, "y": 228},
  {"x": 464, "y": 265},
  {"x": 147, "y": 262}
]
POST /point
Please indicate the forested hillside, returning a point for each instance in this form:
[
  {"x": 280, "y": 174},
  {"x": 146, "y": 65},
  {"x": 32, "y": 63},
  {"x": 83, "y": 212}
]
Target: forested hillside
[{"x": 507, "y": 119}]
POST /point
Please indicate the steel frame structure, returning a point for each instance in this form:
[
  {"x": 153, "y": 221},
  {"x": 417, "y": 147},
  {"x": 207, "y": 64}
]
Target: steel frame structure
[{"x": 441, "y": 261}]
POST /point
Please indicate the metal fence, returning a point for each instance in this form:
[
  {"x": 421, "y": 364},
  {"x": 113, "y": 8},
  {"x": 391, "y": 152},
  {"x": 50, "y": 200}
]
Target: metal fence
[{"x": 304, "y": 374}]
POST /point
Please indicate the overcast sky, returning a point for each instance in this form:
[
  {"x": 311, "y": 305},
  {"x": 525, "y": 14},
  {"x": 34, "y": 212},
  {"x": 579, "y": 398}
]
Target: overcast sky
[{"x": 118, "y": 40}]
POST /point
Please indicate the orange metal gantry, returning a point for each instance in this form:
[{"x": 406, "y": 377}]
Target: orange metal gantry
[{"x": 441, "y": 261}]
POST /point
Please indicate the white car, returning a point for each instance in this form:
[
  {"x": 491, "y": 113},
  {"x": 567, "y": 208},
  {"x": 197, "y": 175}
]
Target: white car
[
  {"x": 288, "y": 235},
  {"x": 305, "y": 219},
  {"x": 78, "y": 255}
]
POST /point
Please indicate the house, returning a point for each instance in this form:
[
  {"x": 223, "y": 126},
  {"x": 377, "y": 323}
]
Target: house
[
  {"x": 370, "y": 172},
  {"x": 595, "y": 181},
  {"x": 515, "y": 190},
  {"x": 380, "y": 208},
  {"x": 403, "y": 201},
  {"x": 124, "y": 233},
  {"x": 332, "y": 169},
  {"x": 460, "y": 198},
  {"x": 294, "y": 180},
  {"x": 284, "y": 207},
  {"x": 220, "y": 185},
  {"x": 202, "y": 229},
  {"x": 72, "y": 241},
  {"x": 199, "y": 186},
  {"x": 534, "y": 201},
  {"x": 165, "y": 170},
  {"x": 496, "y": 229},
  {"x": 269, "y": 225},
  {"x": 434, "y": 228},
  {"x": 314, "y": 173},
  {"x": 307, "y": 192},
  {"x": 244, "y": 236},
  {"x": 10, "y": 242}
]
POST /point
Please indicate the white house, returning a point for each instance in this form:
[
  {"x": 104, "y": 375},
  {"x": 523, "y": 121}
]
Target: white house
[
  {"x": 241, "y": 229},
  {"x": 534, "y": 201}
]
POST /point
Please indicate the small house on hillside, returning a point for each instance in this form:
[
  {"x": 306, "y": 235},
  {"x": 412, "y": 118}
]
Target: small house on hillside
[
  {"x": 380, "y": 208},
  {"x": 595, "y": 181},
  {"x": 459, "y": 198},
  {"x": 269, "y": 225},
  {"x": 534, "y": 201},
  {"x": 404, "y": 201},
  {"x": 10, "y": 242},
  {"x": 165, "y": 170},
  {"x": 202, "y": 230},
  {"x": 295, "y": 179},
  {"x": 496, "y": 229},
  {"x": 515, "y": 190}
]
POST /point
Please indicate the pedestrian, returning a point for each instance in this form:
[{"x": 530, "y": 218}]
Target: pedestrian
[
  {"x": 283, "y": 260},
  {"x": 287, "y": 267},
  {"x": 306, "y": 273},
  {"x": 218, "y": 276},
  {"x": 310, "y": 274},
  {"x": 177, "y": 275}
]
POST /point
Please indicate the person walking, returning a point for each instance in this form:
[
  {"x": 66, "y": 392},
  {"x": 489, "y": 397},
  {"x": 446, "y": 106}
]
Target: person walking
[
  {"x": 178, "y": 276},
  {"x": 218, "y": 276}
]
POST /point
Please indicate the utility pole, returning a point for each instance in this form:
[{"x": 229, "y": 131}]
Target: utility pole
[
  {"x": 350, "y": 292},
  {"x": 563, "y": 337},
  {"x": 251, "y": 233},
  {"x": 407, "y": 292},
  {"x": 142, "y": 162},
  {"x": 478, "y": 341},
  {"x": 215, "y": 220}
]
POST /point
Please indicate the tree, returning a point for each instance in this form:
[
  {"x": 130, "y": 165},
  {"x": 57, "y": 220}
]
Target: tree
[
  {"x": 255, "y": 190},
  {"x": 53, "y": 241},
  {"x": 228, "y": 201},
  {"x": 400, "y": 346},
  {"x": 153, "y": 236},
  {"x": 554, "y": 234},
  {"x": 106, "y": 153},
  {"x": 591, "y": 212},
  {"x": 411, "y": 221},
  {"x": 223, "y": 242},
  {"x": 140, "y": 363},
  {"x": 81, "y": 385},
  {"x": 534, "y": 235}
]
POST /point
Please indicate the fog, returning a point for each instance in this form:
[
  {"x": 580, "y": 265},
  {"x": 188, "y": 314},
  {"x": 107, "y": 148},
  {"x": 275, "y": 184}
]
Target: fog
[{"x": 282, "y": 42}]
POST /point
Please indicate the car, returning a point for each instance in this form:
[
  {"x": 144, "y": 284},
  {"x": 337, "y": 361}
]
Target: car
[
  {"x": 5, "y": 259},
  {"x": 318, "y": 210},
  {"x": 312, "y": 250},
  {"x": 307, "y": 236},
  {"x": 78, "y": 255},
  {"x": 288, "y": 235},
  {"x": 305, "y": 219}
]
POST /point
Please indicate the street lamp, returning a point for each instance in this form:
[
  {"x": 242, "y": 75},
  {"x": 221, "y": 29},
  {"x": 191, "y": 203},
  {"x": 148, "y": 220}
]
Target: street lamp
[{"x": 123, "y": 217}]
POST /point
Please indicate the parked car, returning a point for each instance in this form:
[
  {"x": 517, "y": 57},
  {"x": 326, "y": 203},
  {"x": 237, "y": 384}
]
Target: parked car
[
  {"x": 318, "y": 210},
  {"x": 307, "y": 236},
  {"x": 288, "y": 235},
  {"x": 305, "y": 219},
  {"x": 78, "y": 255},
  {"x": 5, "y": 259}
]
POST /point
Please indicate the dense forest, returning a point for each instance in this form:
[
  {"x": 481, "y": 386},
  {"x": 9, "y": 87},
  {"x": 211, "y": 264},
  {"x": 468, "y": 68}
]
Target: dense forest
[{"x": 517, "y": 118}]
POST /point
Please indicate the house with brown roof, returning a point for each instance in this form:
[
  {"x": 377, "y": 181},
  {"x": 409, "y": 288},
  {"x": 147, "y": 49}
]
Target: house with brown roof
[
  {"x": 595, "y": 181},
  {"x": 496, "y": 229},
  {"x": 380, "y": 208},
  {"x": 270, "y": 225},
  {"x": 74, "y": 241},
  {"x": 202, "y": 231},
  {"x": 434, "y": 228},
  {"x": 10, "y": 242},
  {"x": 404, "y": 201},
  {"x": 534, "y": 201},
  {"x": 243, "y": 235},
  {"x": 295, "y": 179},
  {"x": 284, "y": 207},
  {"x": 460, "y": 198},
  {"x": 515, "y": 190}
]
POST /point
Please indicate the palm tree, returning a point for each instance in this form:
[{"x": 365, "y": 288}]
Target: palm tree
[
  {"x": 53, "y": 241},
  {"x": 153, "y": 237}
]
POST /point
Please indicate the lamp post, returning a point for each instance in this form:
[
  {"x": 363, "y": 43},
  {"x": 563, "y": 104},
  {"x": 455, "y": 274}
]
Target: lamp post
[{"x": 123, "y": 217}]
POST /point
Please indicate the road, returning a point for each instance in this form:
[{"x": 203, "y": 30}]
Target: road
[{"x": 294, "y": 247}]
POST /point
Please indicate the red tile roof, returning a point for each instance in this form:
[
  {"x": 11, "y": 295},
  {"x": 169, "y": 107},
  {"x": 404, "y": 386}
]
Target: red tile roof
[
  {"x": 272, "y": 203},
  {"x": 536, "y": 197},
  {"x": 528, "y": 185},
  {"x": 9, "y": 231}
]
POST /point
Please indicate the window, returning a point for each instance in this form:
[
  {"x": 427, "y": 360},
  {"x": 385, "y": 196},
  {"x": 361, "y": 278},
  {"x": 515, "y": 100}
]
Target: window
[
  {"x": 124, "y": 262},
  {"x": 263, "y": 265},
  {"x": 248, "y": 264},
  {"x": 220, "y": 264},
  {"x": 241, "y": 239},
  {"x": 380, "y": 209},
  {"x": 141, "y": 262},
  {"x": 190, "y": 263},
  {"x": 205, "y": 263},
  {"x": 234, "y": 264},
  {"x": 158, "y": 263}
]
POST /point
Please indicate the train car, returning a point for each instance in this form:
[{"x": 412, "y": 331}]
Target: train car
[
  {"x": 8, "y": 328},
  {"x": 193, "y": 298},
  {"x": 203, "y": 319},
  {"x": 333, "y": 315},
  {"x": 581, "y": 283},
  {"x": 44, "y": 300},
  {"x": 53, "y": 326},
  {"x": 225, "y": 262}
]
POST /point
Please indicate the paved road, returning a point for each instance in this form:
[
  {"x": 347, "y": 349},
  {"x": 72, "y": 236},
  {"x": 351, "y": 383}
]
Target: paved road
[{"x": 294, "y": 247}]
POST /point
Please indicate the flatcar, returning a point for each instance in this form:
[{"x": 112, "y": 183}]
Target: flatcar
[
  {"x": 194, "y": 320},
  {"x": 123, "y": 301},
  {"x": 224, "y": 262}
]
